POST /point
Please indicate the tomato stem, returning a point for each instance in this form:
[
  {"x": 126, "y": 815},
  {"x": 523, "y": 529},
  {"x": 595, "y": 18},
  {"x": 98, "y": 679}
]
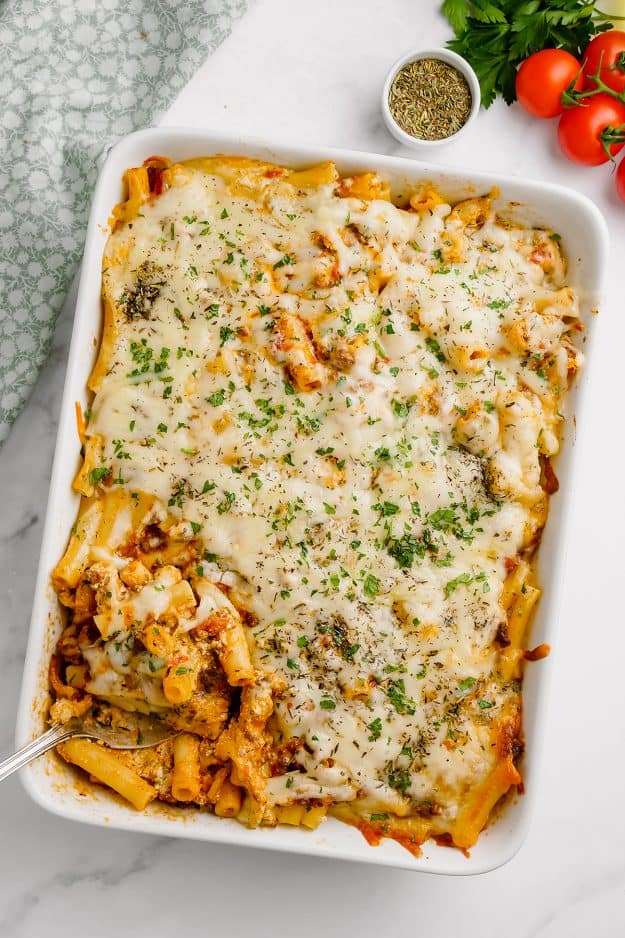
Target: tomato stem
[
  {"x": 571, "y": 98},
  {"x": 611, "y": 135},
  {"x": 619, "y": 64}
]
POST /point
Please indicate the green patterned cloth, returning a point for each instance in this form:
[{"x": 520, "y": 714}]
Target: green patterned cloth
[{"x": 75, "y": 75}]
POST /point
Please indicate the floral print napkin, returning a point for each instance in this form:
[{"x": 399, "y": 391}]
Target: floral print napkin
[{"x": 76, "y": 75}]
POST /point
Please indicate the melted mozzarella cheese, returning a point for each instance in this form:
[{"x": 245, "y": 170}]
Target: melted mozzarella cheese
[{"x": 365, "y": 525}]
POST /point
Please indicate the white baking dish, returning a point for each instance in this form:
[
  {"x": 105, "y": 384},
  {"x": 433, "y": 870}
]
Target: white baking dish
[{"x": 55, "y": 786}]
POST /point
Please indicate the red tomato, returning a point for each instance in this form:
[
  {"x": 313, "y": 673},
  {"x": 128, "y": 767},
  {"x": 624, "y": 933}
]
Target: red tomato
[
  {"x": 608, "y": 51},
  {"x": 583, "y": 128},
  {"x": 543, "y": 77},
  {"x": 620, "y": 180}
]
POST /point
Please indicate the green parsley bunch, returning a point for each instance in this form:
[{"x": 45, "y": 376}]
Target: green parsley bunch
[{"x": 495, "y": 36}]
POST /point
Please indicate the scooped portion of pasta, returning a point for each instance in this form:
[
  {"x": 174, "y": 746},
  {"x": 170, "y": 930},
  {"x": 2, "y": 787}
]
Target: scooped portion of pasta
[{"x": 317, "y": 465}]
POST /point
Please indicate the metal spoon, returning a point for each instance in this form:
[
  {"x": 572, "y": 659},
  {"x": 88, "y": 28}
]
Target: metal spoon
[{"x": 139, "y": 732}]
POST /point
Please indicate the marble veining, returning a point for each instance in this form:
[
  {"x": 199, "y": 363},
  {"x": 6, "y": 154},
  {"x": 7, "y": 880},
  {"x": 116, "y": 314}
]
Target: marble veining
[{"x": 316, "y": 78}]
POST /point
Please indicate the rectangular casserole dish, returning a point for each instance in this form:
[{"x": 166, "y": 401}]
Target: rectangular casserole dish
[{"x": 53, "y": 785}]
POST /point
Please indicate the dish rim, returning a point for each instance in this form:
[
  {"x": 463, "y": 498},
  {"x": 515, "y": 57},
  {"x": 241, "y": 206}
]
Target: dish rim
[{"x": 150, "y": 141}]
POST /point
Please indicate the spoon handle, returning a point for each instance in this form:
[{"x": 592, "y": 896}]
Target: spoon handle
[{"x": 48, "y": 740}]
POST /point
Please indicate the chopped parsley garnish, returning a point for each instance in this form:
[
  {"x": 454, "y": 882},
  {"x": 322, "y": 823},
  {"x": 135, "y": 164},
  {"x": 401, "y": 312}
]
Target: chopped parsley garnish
[
  {"x": 371, "y": 585},
  {"x": 386, "y": 509},
  {"x": 451, "y": 585},
  {"x": 227, "y": 503},
  {"x": 225, "y": 334},
  {"x": 466, "y": 684},
  {"x": 399, "y": 779},
  {"x": 98, "y": 474},
  {"x": 405, "y": 549},
  {"x": 400, "y": 408},
  {"x": 434, "y": 347},
  {"x": 120, "y": 452},
  {"x": 396, "y": 693},
  {"x": 216, "y": 398},
  {"x": 285, "y": 261},
  {"x": 447, "y": 520},
  {"x": 375, "y": 728}
]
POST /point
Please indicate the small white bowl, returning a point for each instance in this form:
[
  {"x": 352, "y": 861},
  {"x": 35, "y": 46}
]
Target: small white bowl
[{"x": 444, "y": 55}]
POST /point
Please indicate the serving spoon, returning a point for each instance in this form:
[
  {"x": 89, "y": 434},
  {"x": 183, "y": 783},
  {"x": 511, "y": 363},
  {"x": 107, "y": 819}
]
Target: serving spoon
[{"x": 140, "y": 732}]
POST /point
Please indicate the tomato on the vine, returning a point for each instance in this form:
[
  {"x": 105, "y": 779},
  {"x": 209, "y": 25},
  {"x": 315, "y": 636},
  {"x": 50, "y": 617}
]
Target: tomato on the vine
[
  {"x": 594, "y": 131},
  {"x": 620, "y": 180},
  {"x": 543, "y": 77},
  {"x": 606, "y": 51}
]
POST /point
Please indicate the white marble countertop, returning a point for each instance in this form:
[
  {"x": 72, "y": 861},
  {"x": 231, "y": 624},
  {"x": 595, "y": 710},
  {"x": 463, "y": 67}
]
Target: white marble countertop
[{"x": 296, "y": 75}]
